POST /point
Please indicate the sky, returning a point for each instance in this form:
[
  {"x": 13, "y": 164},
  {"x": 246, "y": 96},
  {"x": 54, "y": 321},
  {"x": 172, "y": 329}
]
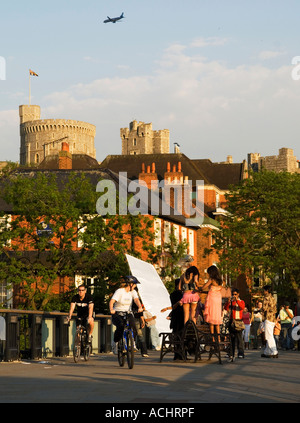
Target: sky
[{"x": 221, "y": 75}]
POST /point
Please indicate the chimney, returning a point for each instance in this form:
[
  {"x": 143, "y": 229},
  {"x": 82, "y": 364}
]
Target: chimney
[
  {"x": 150, "y": 177},
  {"x": 65, "y": 157}
]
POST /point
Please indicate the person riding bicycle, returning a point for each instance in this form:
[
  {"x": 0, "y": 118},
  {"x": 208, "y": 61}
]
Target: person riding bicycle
[
  {"x": 85, "y": 309},
  {"x": 120, "y": 305}
]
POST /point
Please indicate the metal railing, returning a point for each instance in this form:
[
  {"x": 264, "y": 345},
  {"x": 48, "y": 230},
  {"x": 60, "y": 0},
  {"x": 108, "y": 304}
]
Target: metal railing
[{"x": 37, "y": 335}]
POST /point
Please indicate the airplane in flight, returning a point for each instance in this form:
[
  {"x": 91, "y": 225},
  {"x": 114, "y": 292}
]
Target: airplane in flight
[{"x": 114, "y": 20}]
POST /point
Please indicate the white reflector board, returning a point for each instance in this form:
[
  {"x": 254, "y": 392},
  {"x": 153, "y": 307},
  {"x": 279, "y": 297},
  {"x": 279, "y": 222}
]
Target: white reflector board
[{"x": 152, "y": 290}]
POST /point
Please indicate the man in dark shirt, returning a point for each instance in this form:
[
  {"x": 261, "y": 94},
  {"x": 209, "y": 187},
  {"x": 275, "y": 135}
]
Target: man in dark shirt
[{"x": 85, "y": 308}]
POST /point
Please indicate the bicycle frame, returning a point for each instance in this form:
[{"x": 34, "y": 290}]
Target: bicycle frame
[
  {"x": 126, "y": 345},
  {"x": 81, "y": 344}
]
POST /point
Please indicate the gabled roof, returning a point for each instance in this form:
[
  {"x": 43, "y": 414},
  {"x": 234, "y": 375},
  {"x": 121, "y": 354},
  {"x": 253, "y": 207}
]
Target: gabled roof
[
  {"x": 222, "y": 175},
  {"x": 132, "y": 164}
]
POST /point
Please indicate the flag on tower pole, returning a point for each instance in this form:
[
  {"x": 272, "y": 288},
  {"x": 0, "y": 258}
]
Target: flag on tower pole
[{"x": 31, "y": 73}]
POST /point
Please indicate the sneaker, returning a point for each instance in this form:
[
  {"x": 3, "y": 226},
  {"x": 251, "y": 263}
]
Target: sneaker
[
  {"x": 115, "y": 348},
  {"x": 145, "y": 355},
  {"x": 241, "y": 356},
  {"x": 230, "y": 359},
  {"x": 157, "y": 348}
]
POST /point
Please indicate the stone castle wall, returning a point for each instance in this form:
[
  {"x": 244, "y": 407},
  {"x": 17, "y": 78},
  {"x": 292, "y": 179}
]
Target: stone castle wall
[
  {"x": 139, "y": 138},
  {"x": 285, "y": 161},
  {"x": 43, "y": 137}
]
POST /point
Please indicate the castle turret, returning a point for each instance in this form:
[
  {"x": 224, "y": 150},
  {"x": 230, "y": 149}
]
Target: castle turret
[
  {"x": 44, "y": 137},
  {"x": 29, "y": 113}
]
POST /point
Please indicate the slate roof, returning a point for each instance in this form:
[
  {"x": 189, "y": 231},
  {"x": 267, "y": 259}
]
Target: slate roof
[{"x": 79, "y": 161}]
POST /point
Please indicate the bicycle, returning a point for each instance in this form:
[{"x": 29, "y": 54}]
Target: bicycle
[
  {"x": 126, "y": 344},
  {"x": 81, "y": 343}
]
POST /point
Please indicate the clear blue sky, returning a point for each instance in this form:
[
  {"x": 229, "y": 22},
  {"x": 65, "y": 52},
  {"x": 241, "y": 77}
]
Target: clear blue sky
[{"x": 217, "y": 73}]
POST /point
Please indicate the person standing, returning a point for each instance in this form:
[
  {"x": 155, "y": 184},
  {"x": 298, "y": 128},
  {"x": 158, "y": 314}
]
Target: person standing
[
  {"x": 247, "y": 322},
  {"x": 140, "y": 330},
  {"x": 256, "y": 321},
  {"x": 150, "y": 321},
  {"x": 189, "y": 285},
  {"x": 269, "y": 309},
  {"x": 277, "y": 330},
  {"x": 236, "y": 306},
  {"x": 286, "y": 316},
  {"x": 213, "y": 304}
]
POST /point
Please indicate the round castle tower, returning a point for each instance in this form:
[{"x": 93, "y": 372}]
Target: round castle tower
[{"x": 43, "y": 137}]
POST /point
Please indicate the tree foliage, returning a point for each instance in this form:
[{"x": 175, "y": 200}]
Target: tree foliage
[
  {"x": 262, "y": 230},
  {"x": 54, "y": 232}
]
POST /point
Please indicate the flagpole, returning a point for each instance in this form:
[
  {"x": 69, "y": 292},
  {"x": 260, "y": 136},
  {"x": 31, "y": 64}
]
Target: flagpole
[{"x": 29, "y": 90}]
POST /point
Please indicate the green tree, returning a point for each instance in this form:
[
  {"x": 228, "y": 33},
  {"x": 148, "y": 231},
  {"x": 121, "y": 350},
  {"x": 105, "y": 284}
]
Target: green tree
[
  {"x": 38, "y": 244},
  {"x": 262, "y": 230},
  {"x": 53, "y": 231},
  {"x": 172, "y": 253}
]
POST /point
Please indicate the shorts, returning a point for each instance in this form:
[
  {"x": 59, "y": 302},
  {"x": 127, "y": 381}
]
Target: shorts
[{"x": 190, "y": 298}]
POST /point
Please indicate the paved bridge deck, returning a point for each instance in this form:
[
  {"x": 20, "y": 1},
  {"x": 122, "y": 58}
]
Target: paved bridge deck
[{"x": 101, "y": 380}]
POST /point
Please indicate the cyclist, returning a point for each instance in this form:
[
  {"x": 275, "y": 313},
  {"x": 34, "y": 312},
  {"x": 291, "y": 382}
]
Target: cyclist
[
  {"x": 85, "y": 309},
  {"x": 120, "y": 305}
]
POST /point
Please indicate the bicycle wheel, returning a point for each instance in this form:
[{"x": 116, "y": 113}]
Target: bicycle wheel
[
  {"x": 77, "y": 347},
  {"x": 87, "y": 350},
  {"x": 121, "y": 355},
  {"x": 130, "y": 349}
]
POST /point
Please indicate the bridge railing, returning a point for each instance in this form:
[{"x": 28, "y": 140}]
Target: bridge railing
[{"x": 37, "y": 335}]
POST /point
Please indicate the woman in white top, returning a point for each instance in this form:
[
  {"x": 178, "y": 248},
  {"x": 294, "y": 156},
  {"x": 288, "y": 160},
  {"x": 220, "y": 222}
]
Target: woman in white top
[{"x": 120, "y": 305}]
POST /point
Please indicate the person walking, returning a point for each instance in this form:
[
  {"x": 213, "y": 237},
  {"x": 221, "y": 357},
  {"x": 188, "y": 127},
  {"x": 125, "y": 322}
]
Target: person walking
[
  {"x": 246, "y": 317},
  {"x": 269, "y": 309}
]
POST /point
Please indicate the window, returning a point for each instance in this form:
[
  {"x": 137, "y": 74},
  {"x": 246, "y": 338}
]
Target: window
[
  {"x": 167, "y": 232},
  {"x": 176, "y": 232},
  {"x": 183, "y": 234},
  {"x": 5, "y": 296},
  {"x": 157, "y": 231},
  {"x": 191, "y": 243}
]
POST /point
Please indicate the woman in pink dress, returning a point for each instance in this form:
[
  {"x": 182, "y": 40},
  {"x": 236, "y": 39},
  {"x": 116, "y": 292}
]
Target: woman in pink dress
[{"x": 213, "y": 304}]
